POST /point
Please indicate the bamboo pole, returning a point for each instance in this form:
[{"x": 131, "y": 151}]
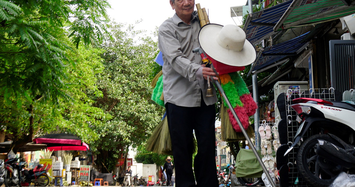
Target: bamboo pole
[{"x": 203, "y": 18}]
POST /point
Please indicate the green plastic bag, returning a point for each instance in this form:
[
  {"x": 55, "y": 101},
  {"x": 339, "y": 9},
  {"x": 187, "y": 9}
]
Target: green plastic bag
[{"x": 247, "y": 165}]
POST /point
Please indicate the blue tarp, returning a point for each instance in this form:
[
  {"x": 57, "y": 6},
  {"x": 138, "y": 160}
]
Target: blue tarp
[
  {"x": 159, "y": 59},
  {"x": 260, "y": 24},
  {"x": 281, "y": 51}
]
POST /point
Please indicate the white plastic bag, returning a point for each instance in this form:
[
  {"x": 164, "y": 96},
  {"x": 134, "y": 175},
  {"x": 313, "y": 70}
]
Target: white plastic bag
[
  {"x": 11, "y": 154},
  {"x": 266, "y": 180},
  {"x": 344, "y": 180}
]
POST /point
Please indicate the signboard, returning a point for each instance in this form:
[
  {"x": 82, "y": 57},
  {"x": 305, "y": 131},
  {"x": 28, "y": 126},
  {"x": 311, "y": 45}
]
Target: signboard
[
  {"x": 129, "y": 162},
  {"x": 236, "y": 11},
  {"x": 84, "y": 173},
  {"x": 120, "y": 162},
  {"x": 47, "y": 165}
]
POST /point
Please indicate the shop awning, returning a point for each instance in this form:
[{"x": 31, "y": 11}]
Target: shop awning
[
  {"x": 62, "y": 141},
  {"x": 280, "y": 52},
  {"x": 58, "y": 139},
  {"x": 84, "y": 147},
  {"x": 259, "y": 25},
  {"x": 310, "y": 12},
  {"x": 6, "y": 146}
]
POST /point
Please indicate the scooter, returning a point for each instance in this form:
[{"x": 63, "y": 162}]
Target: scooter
[
  {"x": 135, "y": 180},
  {"x": 160, "y": 182},
  {"x": 329, "y": 132},
  {"x": 2, "y": 172},
  {"x": 142, "y": 181},
  {"x": 38, "y": 175},
  {"x": 12, "y": 172}
]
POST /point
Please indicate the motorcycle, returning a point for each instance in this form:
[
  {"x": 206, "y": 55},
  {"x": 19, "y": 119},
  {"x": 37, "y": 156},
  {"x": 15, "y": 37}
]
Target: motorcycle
[
  {"x": 161, "y": 182},
  {"x": 142, "y": 181},
  {"x": 220, "y": 178},
  {"x": 127, "y": 179},
  {"x": 329, "y": 132},
  {"x": 2, "y": 172},
  {"x": 38, "y": 176},
  {"x": 135, "y": 180},
  {"x": 12, "y": 172}
]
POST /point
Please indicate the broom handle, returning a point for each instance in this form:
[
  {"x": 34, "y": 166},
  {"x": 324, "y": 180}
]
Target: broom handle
[{"x": 243, "y": 130}]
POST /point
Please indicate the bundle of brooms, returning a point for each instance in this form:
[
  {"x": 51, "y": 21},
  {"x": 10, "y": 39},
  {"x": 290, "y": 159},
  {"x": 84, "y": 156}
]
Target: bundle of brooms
[{"x": 160, "y": 141}]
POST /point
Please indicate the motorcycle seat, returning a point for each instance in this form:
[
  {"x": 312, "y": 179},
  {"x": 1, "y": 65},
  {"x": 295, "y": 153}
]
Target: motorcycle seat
[{"x": 344, "y": 105}]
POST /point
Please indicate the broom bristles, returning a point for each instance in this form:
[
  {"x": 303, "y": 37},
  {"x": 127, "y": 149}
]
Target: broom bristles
[
  {"x": 155, "y": 79},
  {"x": 228, "y": 134}
]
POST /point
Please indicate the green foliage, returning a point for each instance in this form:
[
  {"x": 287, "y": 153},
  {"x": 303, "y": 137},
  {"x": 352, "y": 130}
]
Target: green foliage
[
  {"x": 156, "y": 68},
  {"x": 126, "y": 89},
  {"x": 32, "y": 54},
  {"x": 77, "y": 115},
  {"x": 44, "y": 77},
  {"x": 147, "y": 157}
]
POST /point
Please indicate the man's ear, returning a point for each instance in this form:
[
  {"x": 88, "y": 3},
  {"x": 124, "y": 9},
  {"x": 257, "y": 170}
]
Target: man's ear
[{"x": 172, "y": 5}]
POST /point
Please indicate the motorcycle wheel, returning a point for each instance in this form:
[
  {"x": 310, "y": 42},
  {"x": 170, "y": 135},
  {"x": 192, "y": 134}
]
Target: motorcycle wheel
[
  {"x": 249, "y": 181},
  {"x": 309, "y": 163},
  {"x": 42, "y": 180}
]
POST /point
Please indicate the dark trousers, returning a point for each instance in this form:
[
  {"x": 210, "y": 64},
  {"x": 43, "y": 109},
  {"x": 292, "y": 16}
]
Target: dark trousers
[
  {"x": 168, "y": 180},
  {"x": 182, "y": 121}
]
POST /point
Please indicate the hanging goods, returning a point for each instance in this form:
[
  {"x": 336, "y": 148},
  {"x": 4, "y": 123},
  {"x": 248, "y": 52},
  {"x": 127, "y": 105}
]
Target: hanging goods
[{"x": 228, "y": 45}]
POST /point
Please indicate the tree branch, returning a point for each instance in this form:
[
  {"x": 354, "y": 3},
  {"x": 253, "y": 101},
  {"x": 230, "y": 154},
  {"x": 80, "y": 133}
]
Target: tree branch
[{"x": 112, "y": 105}]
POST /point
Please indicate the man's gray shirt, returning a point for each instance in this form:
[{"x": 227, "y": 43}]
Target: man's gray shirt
[{"x": 182, "y": 71}]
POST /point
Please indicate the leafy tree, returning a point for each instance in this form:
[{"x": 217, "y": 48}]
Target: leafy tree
[
  {"x": 147, "y": 157},
  {"x": 76, "y": 115},
  {"x": 35, "y": 60},
  {"x": 125, "y": 85}
]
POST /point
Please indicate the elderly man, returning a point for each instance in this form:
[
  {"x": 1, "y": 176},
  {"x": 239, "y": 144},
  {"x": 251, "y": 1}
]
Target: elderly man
[{"x": 184, "y": 89}]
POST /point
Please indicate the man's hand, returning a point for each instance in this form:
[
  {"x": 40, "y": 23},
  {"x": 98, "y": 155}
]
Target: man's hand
[{"x": 208, "y": 72}]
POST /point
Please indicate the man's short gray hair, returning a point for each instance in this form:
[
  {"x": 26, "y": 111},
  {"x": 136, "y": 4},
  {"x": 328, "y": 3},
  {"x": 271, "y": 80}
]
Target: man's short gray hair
[{"x": 172, "y": 1}]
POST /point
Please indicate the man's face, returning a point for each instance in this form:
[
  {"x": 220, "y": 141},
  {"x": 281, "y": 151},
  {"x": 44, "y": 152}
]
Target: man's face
[{"x": 183, "y": 8}]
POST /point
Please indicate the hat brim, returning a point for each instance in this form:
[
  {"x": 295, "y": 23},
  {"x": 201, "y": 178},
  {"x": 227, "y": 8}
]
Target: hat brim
[{"x": 208, "y": 42}]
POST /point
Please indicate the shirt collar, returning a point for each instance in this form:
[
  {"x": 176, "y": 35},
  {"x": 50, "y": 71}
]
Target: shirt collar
[{"x": 177, "y": 20}]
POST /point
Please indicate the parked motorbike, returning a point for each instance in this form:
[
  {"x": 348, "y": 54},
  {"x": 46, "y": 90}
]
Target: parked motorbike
[
  {"x": 142, "y": 181},
  {"x": 127, "y": 179},
  {"x": 160, "y": 182},
  {"x": 12, "y": 172},
  {"x": 38, "y": 176},
  {"x": 135, "y": 180},
  {"x": 2, "y": 172},
  {"x": 220, "y": 178},
  {"x": 329, "y": 132}
]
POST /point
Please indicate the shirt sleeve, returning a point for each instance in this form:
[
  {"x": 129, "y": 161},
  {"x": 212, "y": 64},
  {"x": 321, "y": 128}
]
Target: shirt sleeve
[{"x": 171, "y": 49}]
